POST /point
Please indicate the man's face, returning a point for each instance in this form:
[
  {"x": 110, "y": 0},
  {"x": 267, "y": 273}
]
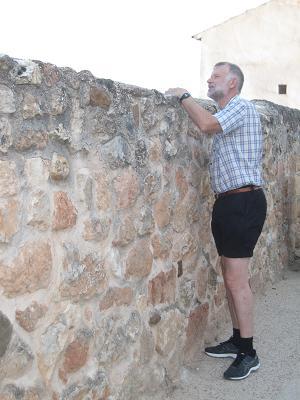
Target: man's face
[{"x": 219, "y": 83}]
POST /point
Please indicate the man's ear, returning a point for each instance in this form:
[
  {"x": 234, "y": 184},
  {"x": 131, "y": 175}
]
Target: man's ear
[{"x": 233, "y": 83}]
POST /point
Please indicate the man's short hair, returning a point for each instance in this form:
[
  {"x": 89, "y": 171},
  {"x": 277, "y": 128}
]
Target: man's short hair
[{"x": 235, "y": 70}]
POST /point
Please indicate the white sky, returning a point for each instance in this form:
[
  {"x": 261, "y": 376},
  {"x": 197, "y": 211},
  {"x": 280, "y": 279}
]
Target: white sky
[{"x": 142, "y": 42}]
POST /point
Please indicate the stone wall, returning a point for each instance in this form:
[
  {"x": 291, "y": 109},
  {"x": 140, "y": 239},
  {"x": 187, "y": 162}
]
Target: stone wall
[{"x": 109, "y": 278}]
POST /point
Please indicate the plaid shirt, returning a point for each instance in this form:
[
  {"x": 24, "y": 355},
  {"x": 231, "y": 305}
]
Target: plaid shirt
[{"x": 237, "y": 150}]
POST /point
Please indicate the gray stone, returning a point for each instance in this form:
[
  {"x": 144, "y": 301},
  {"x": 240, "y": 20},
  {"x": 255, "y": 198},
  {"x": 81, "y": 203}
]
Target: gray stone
[
  {"x": 116, "y": 153},
  {"x": 26, "y": 71},
  {"x": 7, "y": 100},
  {"x": 6, "y": 330},
  {"x": 17, "y": 360},
  {"x": 5, "y": 135}
]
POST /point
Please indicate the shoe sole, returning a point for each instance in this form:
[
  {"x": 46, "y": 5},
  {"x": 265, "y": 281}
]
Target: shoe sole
[
  {"x": 222, "y": 355},
  {"x": 245, "y": 376}
]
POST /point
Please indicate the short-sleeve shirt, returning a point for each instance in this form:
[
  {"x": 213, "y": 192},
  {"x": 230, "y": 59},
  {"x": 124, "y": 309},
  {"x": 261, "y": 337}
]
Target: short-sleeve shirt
[{"x": 237, "y": 150}]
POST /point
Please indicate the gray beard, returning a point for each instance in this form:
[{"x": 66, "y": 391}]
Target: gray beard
[{"x": 217, "y": 95}]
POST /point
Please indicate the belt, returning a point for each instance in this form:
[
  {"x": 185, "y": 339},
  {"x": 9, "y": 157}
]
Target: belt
[{"x": 248, "y": 188}]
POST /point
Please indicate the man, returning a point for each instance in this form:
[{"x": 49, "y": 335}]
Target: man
[{"x": 240, "y": 208}]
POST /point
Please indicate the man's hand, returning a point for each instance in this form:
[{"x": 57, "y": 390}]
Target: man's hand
[{"x": 175, "y": 92}]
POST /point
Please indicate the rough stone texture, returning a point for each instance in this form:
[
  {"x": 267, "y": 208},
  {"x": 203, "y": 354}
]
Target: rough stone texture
[
  {"x": 65, "y": 214},
  {"x": 9, "y": 220},
  {"x": 162, "y": 288},
  {"x": 59, "y": 169},
  {"x": 5, "y": 333},
  {"x": 82, "y": 278},
  {"x": 139, "y": 260},
  {"x": 29, "y": 318},
  {"x": 107, "y": 261},
  {"x": 29, "y": 271},
  {"x": 127, "y": 188}
]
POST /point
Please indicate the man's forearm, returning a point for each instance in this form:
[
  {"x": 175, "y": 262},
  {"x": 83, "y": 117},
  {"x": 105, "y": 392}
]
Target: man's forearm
[{"x": 203, "y": 119}]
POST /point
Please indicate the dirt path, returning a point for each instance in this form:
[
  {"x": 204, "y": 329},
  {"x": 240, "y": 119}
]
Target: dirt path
[{"x": 278, "y": 347}]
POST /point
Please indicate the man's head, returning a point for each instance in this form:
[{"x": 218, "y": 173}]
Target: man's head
[{"x": 225, "y": 82}]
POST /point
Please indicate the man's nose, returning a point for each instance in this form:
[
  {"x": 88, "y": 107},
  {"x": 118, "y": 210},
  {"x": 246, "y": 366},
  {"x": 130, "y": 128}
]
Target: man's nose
[{"x": 209, "y": 80}]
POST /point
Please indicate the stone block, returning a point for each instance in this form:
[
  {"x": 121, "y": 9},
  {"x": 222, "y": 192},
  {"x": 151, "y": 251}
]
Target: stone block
[
  {"x": 97, "y": 229},
  {"x": 59, "y": 168},
  {"x": 30, "y": 140},
  {"x": 82, "y": 278},
  {"x": 116, "y": 153},
  {"x": 29, "y": 318},
  {"x": 57, "y": 98},
  {"x": 65, "y": 214},
  {"x": 103, "y": 191},
  {"x": 195, "y": 331},
  {"x": 29, "y": 271},
  {"x": 75, "y": 355},
  {"x": 5, "y": 135},
  {"x": 9, "y": 219},
  {"x": 99, "y": 98},
  {"x": 6, "y": 330},
  {"x": 84, "y": 188},
  {"x": 26, "y": 71},
  {"x": 31, "y": 106},
  {"x": 9, "y": 182},
  {"x": 17, "y": 359},
  {"x": 126, "y": 187},
  {"x": 169, "y": 332},
  {"x": 162, "y": 288},
  {"x": 126, "y": 231},
  {"x": 162, "y": 210},
  {"x": 7, "y": 100},
  {"x": 161, "y": 245},
  {"x": 116, "y": 296},
  {"x": 139, "y": 260},
  {"x": 38, "y": 211},
  {"x": 36, "y": 171},
  {"x": 51, "y": 74}
]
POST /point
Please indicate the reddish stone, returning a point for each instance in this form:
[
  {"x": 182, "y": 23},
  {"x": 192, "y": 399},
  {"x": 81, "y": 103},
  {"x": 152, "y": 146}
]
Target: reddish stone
[
  {"x": 51, "y": 74},
  {"x": 98, "y": 97},
  {"x": 127, "y": 189},
  {"x": 161, "y": 246},
  {"x": 65, "y": 214},
  {"x": 162, "y": 288},
  {"x": 29, "y": 318},
  {"x": 75, "y": 357},
  {"x": 162, "y": 211},
  {"x": 116, "y": 296},
  {"x": 181, "y": 182},
  {"x": 195, "y": 331},
  {"x": 139, "y": 260},
  {"x": 30, "y": 271},
  {"x": 220, "y": 295}
]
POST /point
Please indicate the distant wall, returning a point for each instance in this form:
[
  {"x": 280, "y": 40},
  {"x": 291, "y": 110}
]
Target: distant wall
[
  {"x": 264, "y": 42},
  {"x": 109, "y": 277}
]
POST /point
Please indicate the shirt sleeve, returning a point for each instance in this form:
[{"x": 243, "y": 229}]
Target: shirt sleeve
[{"x": 231, "y": 117}]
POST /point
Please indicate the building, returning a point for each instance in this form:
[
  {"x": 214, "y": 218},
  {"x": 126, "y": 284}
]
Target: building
[{"x": 265, "y": 43}]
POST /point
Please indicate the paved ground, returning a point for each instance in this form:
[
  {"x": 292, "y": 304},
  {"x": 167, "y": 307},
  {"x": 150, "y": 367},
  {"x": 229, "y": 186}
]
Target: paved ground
[{"x": 278, "y": 347}]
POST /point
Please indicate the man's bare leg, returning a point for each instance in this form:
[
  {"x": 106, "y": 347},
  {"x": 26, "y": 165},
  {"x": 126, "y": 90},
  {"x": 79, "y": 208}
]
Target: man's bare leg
[
  {"x": 233, "y": 316},
  {"x": 236, "y": 279}
]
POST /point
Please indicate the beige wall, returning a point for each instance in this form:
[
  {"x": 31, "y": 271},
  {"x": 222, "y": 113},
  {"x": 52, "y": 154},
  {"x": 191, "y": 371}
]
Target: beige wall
[{"x": 265, "y": 42}]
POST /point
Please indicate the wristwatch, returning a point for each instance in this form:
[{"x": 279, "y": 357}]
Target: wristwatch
[{"x": 184, "y": 96}]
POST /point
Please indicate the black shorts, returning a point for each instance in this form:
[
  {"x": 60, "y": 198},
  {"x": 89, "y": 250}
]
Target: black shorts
[{"x": 237, "y": 222}]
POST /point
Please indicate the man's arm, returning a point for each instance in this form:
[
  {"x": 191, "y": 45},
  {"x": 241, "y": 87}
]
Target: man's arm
[{"x": 204, "y": 120}]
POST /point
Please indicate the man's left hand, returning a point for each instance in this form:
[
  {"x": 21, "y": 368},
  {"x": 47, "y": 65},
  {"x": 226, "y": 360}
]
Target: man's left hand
[{"x": 175, "y": 92}]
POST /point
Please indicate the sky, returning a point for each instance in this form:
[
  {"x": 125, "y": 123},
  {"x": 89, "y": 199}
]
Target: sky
[{"x": 147, "y": 43}]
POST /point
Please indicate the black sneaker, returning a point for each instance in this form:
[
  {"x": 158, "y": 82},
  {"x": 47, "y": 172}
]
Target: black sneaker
[
  {"x": 242, "y": 366},
  {"x": 224, "y": 349}
]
